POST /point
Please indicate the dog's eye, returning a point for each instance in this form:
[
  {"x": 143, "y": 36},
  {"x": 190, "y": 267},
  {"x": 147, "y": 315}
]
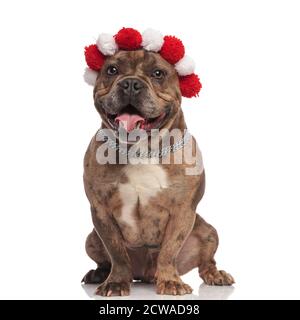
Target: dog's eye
[
  {"x": 112, "y": 71},
  {"x": 158, "y": 74}
]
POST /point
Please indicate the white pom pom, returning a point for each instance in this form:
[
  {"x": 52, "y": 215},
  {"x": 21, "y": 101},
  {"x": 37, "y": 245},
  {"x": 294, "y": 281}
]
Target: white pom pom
[
  {"x": 106, "y": 44},
  {"x": 185, "y": 66},
  {"x": 90, "y": 76},
  {"x": 152, "y": 40}
]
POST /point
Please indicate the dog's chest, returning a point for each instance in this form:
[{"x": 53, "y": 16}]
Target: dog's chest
[{"x": 144, "y": 183}]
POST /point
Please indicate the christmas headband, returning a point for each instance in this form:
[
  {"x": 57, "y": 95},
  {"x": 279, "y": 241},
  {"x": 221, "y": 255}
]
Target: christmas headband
[{"x": 169, "y": 47}]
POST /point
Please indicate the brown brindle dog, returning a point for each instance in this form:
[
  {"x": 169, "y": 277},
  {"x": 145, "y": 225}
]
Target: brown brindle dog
[{"x": 145, "y": 224}]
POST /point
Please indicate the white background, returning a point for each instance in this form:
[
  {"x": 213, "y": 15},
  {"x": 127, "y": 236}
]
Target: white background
[{"x": 246, "y": 121}]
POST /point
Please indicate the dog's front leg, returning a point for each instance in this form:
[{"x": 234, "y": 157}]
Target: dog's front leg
[
  {"x": 178, "y": 228},
  {"x": 118, "y": 281}
]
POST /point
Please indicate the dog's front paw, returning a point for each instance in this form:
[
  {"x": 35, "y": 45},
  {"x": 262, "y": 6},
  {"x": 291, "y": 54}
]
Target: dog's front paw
[
  {"x": 217, "y": 278},
  {"x": 109, "y": 288},
  {"x": 173, "y": 287}
]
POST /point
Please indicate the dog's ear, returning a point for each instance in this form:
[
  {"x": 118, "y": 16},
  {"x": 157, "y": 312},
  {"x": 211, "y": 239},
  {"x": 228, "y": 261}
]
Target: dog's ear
[{"x": 90, "y": 76}]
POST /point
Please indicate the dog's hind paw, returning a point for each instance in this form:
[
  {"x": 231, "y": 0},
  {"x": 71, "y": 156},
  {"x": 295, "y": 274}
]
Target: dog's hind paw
[
  {"x": 95, "y": 276},
  {"x": 217, "y": 278}
]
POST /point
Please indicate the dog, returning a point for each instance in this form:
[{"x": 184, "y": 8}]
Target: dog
[{"x": 145, "y": 223}]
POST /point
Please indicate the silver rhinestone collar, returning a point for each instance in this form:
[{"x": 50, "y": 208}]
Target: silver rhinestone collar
[{"x": 145, "y": 154}]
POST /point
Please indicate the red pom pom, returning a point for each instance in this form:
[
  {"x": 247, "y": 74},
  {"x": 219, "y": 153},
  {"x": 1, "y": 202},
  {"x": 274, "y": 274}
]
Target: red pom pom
[
  {"x": 190, "y": 85},
  {"x": 172, "y": 49},
  {"x": 128, "y": 39},
  {"x": 93, "y": 57}
]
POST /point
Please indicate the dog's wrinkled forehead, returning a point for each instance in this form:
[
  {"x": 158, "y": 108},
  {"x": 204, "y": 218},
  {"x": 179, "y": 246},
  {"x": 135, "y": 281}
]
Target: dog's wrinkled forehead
[
  {"x": 139, "y": 63},
  {"x": 139, "y": 58}
]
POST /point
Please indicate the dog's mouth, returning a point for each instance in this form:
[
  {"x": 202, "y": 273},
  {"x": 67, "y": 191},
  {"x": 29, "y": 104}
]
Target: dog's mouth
[{"x": 130, "y": 119}]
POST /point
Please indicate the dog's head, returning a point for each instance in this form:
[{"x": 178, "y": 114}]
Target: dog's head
[
  {"x": 140, "y": 78},
  {"x": 137, "y": 89}
]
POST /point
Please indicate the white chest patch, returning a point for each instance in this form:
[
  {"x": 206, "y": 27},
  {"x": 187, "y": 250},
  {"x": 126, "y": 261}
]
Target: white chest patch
[{"x": 144, "y": 182}]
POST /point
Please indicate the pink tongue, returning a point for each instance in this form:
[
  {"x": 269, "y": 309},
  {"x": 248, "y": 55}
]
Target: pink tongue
[{"x": 129, "y": 121}]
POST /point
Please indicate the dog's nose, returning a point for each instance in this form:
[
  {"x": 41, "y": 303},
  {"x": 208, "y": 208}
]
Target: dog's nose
[{"x": 131, "y": 86}]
